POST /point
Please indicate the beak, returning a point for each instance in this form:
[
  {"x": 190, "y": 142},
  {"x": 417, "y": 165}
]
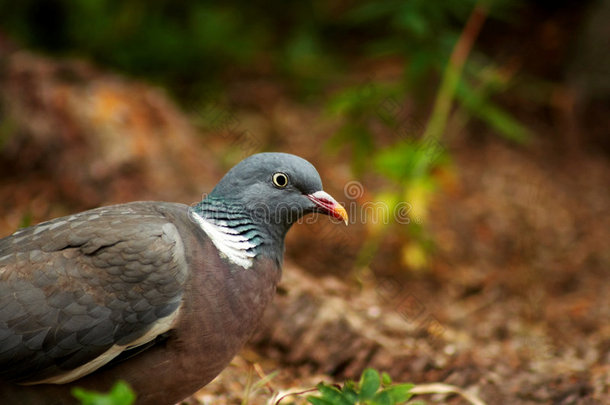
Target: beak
[{"x": 328, "y": 205}]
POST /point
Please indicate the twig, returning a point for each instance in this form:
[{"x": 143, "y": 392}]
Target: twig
[
  {"x": 289, "y": 394},
  {"x": 453, "y": 72},
  {"x": 440, "y": 388}
]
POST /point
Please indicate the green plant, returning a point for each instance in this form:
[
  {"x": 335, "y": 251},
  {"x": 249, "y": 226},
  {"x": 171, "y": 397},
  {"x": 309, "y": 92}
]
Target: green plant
[
  {"x": 309, "y": 46},
  {"x": 385, "y": 136},
  {"x": 120, "y": 394},
  {"x": 372, "y": 389}
]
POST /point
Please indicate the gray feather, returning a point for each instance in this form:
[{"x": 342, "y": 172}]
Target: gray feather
[{"x": 73, "y": 287}]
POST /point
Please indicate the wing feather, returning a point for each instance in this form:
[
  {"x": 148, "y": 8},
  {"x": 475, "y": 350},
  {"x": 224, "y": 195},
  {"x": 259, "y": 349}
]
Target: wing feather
[{"x": 77, "y": 291}]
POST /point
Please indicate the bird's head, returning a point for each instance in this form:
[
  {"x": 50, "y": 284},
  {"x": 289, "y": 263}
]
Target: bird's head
[{"x": 278, "y": 189}]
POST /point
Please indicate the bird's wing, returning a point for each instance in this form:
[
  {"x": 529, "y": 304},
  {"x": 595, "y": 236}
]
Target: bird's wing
[{"x": 77, "y": 291}]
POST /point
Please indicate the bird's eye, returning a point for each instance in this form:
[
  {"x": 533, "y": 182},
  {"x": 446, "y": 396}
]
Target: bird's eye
[{"x": 280, "y": 180}]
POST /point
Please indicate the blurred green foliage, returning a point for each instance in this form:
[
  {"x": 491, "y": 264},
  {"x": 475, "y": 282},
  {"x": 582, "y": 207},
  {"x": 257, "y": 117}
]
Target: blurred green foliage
[
  {"x": 433, "y": 39},
  {"x": 186, "y": 45},
  {"x": 179, "y": 43},
  {"x": 386, "y": 124},
  {"x": 190, "y": 45},
  {"x": 120, "y": 394}
]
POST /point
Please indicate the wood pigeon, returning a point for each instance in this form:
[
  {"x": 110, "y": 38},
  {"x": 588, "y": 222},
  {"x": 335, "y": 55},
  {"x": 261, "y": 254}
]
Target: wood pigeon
[{"x": 161, "y": 295}]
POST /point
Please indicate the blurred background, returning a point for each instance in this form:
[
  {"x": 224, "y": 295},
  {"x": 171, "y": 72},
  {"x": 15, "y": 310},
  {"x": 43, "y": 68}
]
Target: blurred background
[{"x": 469, "y": 141}]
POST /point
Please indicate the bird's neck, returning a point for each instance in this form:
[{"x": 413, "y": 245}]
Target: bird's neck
[{"x": 236, "y": 231}]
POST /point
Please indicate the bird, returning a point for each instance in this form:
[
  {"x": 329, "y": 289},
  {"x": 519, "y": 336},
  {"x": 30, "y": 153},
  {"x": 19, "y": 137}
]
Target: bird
[{"x": 160, "y": 295}]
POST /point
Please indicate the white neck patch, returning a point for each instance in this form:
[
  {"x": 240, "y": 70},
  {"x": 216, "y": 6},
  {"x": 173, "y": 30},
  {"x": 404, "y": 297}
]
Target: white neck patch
[{"x": 230, "y": 244}]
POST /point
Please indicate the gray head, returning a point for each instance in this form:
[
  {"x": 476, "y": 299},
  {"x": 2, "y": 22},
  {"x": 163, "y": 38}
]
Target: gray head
[
  {"x": 277, "y": 189},
  {"x": 250, "y": 210}
]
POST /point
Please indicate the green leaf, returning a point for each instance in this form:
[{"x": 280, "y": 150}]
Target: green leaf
[
  {"x": 120, "y": 394},
  {"x": 350, "y": 394},
  {"x": 366, "y": 391},
  {"x": 415, "y": 24},
  {"x": 369, "y": 383},
  {"x": 502, "y": 122},
  {"x": 386, "y": 379},
  {"x": 478, "y": 104},
  {"x": 383, "y": 398},
  {"x": 263, "y": 381},
  {"x": 400, "y": 393},
  {"x": 319, "y": 401},
  {"x": 409, "y": 159},
  {"x": 332, "y": 394}
]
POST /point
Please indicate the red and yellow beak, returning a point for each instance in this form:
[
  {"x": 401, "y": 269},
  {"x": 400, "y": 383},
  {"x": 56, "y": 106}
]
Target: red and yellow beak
[{"x": 328, "y": 205}]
